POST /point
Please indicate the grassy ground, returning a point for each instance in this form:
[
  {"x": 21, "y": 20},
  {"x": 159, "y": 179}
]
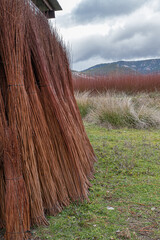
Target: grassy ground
[{"x": 125, "y": 196}]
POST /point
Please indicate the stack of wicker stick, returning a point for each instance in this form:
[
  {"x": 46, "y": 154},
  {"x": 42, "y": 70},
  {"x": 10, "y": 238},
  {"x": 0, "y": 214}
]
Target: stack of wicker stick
[{"x": 46, "y": 159}]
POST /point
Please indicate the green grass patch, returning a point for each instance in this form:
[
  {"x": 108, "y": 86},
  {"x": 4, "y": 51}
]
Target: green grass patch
[
  {"x": 125, "y": 193},
  {"x": 84, "y": 108},
  {"x": 113, "y": 118},
  {"x": 117, "y": 119}
]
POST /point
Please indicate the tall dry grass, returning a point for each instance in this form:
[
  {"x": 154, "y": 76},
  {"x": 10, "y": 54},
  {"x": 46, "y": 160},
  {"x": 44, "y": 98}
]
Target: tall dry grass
[{"x": 113, "y": 110}]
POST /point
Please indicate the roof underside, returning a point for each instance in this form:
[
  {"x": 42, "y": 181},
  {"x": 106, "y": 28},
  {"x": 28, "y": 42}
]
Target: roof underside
[{"x": 48, "y": 7}]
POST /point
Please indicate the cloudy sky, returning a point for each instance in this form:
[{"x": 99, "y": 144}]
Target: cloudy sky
[{"x": 99, "y": 31}]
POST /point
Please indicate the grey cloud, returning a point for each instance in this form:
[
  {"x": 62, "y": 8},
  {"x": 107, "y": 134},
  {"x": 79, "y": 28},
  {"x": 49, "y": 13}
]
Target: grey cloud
[
  {"x": 89, "y": 11},
  {"x": 135, "y": 41},
  {"x": 137, "y": 26},
  {"x": 93, "y": 10}
]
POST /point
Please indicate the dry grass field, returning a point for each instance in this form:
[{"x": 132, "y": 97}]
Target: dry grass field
[{"x": 120, "y": 109}]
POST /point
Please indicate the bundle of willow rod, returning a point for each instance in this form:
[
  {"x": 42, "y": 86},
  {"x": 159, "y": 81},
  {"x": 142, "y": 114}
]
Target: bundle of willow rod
[
  {"x": 2, "y": 182},
  {"x": 15, "y": 214},
  {"x": 44, "y": 149}
]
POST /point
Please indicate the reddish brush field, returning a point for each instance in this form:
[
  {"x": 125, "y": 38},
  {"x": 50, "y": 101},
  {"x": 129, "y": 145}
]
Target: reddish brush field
[{"x": 127, "y": 83}]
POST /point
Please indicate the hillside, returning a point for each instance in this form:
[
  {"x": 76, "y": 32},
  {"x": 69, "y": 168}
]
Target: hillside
[{"x": 125, "y": 67}]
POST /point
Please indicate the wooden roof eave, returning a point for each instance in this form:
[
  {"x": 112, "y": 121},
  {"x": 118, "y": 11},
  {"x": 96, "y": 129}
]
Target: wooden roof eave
[{"x": 48, "y": 7}]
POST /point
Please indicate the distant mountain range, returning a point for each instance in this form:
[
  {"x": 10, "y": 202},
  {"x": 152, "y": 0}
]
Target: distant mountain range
[{"x": 124, "y": 67}]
